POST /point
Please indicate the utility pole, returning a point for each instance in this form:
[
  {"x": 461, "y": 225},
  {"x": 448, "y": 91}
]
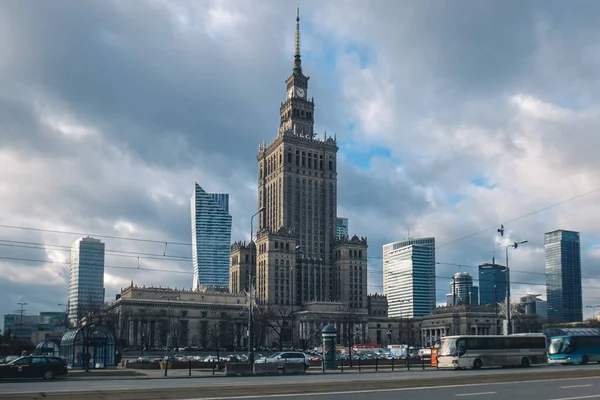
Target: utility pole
[{"x": 22, "y": 310}]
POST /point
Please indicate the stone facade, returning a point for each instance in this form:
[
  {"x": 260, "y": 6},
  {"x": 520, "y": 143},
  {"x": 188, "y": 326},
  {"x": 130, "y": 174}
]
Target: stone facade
[
  {"x": 243, "y": 258},
  {"x": 152, "y": 317},
  {"x": 350, "y": 271},
  {"x": 297, "y": 202}
]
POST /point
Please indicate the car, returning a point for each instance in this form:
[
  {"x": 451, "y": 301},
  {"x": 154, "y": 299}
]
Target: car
[
  {"x": 34, "y": 366},
  {"x": 285, "y": 357}
]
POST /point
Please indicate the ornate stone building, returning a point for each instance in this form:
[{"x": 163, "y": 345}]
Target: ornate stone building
[
  {"x": 151, "y": 317},
  {"x": 243, "y": 257},
  {"x": 298, "y": 260}
]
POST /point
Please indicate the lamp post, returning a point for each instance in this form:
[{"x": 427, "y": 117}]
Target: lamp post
[
  {"x": 251, "y": 297},
  {"x": 66, "y": 321},
  {"x": 168, "y": 330},
  {"x": 514, "y": 246},
  {"x": 298, "y": 253}
]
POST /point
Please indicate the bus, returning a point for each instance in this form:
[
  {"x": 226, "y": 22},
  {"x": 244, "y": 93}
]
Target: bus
[
  {"x": 461, "y": 352},
  {"x": 573, "y": 349}
]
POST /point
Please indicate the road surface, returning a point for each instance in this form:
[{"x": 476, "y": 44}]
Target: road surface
[
  {"x": 184, "y": 387},
  {"x": 563, "y": 389}
]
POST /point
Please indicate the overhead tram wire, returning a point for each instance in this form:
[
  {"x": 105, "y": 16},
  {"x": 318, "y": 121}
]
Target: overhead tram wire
[
  {"x": 156, "y": 256},
  {"x": 95, "y": 235},
  {"x": 190, "y": 244},
  {"x": 521, "y": 217}
]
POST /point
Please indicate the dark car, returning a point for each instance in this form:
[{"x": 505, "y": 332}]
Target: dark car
[{"x": 34, "y": 367}]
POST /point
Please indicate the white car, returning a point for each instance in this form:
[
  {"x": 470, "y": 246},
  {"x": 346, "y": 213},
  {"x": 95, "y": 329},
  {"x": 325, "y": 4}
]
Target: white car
[{"x": 285, "y": 357}]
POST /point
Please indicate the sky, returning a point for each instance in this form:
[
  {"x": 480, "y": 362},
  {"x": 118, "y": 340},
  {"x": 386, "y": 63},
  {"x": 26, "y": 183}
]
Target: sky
[{"x": 451, "y": 117}]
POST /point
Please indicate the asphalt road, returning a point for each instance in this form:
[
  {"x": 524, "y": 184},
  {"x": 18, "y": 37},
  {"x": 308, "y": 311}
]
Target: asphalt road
[
  {"x": 564, "y": 389},
  {"x": 333, "y": 381}
]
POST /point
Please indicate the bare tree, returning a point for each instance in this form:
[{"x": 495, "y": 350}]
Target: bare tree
[
  {"x": 217, "y": 330},
  {"x": 278, "y": 318}
]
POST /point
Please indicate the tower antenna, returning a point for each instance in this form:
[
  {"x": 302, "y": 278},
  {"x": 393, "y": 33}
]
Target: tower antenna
[{"x": 297, "y": 61}]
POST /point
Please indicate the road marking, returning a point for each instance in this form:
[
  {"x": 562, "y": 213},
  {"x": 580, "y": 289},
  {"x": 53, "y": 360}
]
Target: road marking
[
  {"x": 593, "y": 396},
  {"x": 474, "y": 394},
  {"x": 274, "y": 396},
  {"x": 575, "y": 386}
]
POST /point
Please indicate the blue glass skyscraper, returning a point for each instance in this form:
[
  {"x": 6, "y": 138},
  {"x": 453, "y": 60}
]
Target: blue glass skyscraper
[
  {"x": 492, "y": 283},
  {"x": 211, "y": 238},
  {"x": 563, "y": 276}
]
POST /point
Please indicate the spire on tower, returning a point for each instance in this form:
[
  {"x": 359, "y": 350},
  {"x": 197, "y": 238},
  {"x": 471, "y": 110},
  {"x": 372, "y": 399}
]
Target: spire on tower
[{"x": 297, "y": 61}]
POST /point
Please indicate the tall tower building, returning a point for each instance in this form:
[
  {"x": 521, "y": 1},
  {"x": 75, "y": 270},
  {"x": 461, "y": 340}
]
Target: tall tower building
[
  {"x": 297, "y": 189},
  {"x": 211, "y": 238},
  {"x": 409, "y": 277},
  {"x": 341, "y": 227},
  {"x": 563, "y": 276},
  {"x": 492, "y": 283},
  {"x": 86, "y": 277},
  {"x": 462, "y": 290}
]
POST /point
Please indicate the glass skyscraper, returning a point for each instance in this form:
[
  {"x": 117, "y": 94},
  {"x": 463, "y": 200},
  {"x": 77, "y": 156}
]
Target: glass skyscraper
[
  {"x": 563, "y": 276},
  {"x": 492, "y": 283},
  {"x": 409, "y": 277},
  {"x": 341, "y": 227},
  {"x": 211, "y": 238},
  {"x": 86, "y": 277}
]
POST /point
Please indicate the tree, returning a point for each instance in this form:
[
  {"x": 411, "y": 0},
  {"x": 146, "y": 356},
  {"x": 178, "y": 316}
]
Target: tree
[
  {"x": 278, "y": 318},
  {"x": 217, "y": 331}
]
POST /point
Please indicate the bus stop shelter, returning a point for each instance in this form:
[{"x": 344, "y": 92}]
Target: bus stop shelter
[{"x": 93, "y": 347}]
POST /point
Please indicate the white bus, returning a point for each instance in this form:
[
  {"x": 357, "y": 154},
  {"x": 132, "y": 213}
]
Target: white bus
[{"x": 492, "y": 351}]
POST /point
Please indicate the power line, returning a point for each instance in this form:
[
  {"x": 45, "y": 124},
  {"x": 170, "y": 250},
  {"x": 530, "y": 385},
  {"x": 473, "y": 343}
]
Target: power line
[
  {"x": 115, "y": 253},
  {"x": 95, "y": 235},
  {"x": 520, "y": 217}
]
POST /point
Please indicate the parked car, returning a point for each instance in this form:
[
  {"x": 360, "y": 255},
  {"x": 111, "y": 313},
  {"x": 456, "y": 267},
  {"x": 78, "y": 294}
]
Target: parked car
[
  {"x": 284, "y": 357},
  {"x": 34, "y": 367}
]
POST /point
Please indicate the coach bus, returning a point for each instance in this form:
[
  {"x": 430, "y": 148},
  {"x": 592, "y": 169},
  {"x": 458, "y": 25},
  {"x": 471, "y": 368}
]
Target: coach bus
[
  {"x": 573, "y": 349},
  {"x": 492, "y": 351}
]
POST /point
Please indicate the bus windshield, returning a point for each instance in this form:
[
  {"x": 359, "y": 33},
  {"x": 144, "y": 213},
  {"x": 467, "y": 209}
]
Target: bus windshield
[
  {"x": 447, "y": 347},
  {"x": 559, "y": 345}
]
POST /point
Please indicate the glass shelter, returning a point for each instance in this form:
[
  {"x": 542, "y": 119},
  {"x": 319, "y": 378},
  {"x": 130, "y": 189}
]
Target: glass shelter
[
  {"x": 48, "y": 348},
  {"x": 94, "y": 346}
]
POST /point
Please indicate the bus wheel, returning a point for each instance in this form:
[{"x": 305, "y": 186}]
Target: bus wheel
[
  {"x": 477, "y": 363},
  {"x": 584, "y": 360},
  {"x": 525, "y": 362}
]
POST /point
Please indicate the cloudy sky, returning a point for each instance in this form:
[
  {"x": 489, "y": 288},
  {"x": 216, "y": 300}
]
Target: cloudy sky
[{"x": 452, "y": 117}]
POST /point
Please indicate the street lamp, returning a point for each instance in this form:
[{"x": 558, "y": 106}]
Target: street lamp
[
  {"x": 298, "y": 253},
  {"x": 251, "y": 291},
  {"x": 514, "y": 246},
  {"x": 168, "y": 330},
  {"x": 66, "y": 321}
]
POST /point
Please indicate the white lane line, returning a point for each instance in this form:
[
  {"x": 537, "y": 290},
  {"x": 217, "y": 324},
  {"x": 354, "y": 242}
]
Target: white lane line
[
  {"x": 593, "y": 396},
  {"x": 575, "y": 386},
  {"x": 474, "y": 394}
]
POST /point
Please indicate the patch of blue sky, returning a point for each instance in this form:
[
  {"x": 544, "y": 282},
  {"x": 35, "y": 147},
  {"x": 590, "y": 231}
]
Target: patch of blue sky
[
  {"x": 456, "y": 198},
  {"x": 482, "y": 181},
  {"x": 362, "y": 156}
]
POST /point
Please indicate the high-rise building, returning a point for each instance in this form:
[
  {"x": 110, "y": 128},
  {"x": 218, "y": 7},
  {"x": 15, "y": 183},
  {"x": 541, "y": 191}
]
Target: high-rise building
[
  {"x": 86, "y": 277},
  {"x": 462, "y": 290},
  {"x": 341, "y": 227},
  {"x": 299, "y": 258},
  {"x": 211, "y": 238},
  {"x": 563, "y": 276},
  {"x": 492, "y": 283},
  {"x": 409, "y": 277}
]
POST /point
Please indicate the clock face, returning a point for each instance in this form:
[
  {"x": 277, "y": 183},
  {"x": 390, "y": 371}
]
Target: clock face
[{"x": 300, "y": 92}]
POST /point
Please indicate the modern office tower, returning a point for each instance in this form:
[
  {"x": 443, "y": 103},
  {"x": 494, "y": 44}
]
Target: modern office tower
[
  {"x": 409, "y": 277},
  {"x": 86, "y": 278},
  {"x": 299, "y": 257},
  {"x": 474, "y": 295},
  {"x": 563, "y": 276},
  {"x": 492, "y": 283},
  {"x": 211, "y": 238},
  {"x": 342, "y": 227},
  {"x": 462, "y": 288}
]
